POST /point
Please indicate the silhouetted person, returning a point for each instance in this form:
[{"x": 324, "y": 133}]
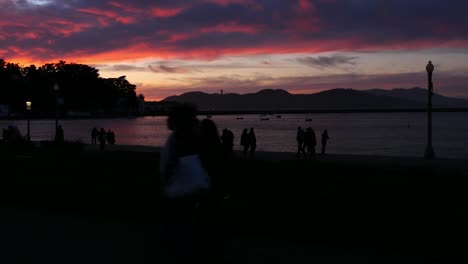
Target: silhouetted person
[
  {"x": 110, "y": 137},
  {"x": 325, "y": 138},
  {"x": 245, "y": 141},
  {"x": 300, "y": 141},
  {"x": 113, "y": 137},
  {"x": 227, "y": 141},
  {"x": 60, "y": 135},
  {"x": 179, "y": 211},
  {"x": 310, "y": 141},
  {"x": 211, "y": 222},
  {"x": 102, "y": 138},
  {"x": 94, "y": 135},
  {"x": 252, "y": 141}
]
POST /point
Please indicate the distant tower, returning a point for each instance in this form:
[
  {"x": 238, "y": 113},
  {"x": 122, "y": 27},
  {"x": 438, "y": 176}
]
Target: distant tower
[{"x": 222, "y": 91}]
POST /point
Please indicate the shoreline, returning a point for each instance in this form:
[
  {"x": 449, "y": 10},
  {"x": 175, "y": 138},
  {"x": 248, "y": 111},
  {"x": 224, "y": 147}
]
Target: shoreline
[
  {"x": 348, "y": 159},
  {"x": 244, "y": 112}
]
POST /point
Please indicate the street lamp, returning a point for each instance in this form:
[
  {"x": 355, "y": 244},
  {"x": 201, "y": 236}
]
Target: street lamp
[
  {"x": 429, "y": 153},
  {"x": 56, "y": 90},
  {"x": 28, "y": 110}
]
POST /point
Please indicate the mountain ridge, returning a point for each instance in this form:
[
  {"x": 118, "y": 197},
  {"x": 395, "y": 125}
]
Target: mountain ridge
[{"x": 333, "y": 99}]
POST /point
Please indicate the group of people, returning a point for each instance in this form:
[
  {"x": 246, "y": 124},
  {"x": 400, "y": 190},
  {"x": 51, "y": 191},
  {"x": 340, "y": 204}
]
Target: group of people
[
  {"x": 248, "y": 141},
  {"x": 307, "y": 141},
  {"x": 227, "y": 141},
  {"x": 102, "y": 136}
]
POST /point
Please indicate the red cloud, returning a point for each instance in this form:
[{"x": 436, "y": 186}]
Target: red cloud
[{"x": 165, "y": 12}]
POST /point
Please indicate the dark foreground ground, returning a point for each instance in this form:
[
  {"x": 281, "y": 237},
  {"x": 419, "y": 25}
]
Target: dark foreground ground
[{"x": 103, "y": 207}]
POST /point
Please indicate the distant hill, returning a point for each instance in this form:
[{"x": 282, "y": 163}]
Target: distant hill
[
  {"x": 420, "y": 95},
  {"x": 335, "y": 99}
]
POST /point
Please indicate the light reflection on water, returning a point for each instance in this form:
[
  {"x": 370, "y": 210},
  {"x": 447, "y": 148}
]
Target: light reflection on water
[{"x": 395, "y": 134}]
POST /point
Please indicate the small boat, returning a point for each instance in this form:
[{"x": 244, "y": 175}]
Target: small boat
[
  {"x": 278, "y": 116},
  {"x": 239, "y": 118},
  {"x": 264, "y": 119},
  {"x": 308, "y": 119}
]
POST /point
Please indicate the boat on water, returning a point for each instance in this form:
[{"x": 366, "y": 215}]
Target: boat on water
[
  {"x": 264, "y": 119},
  {"x": 308, "y": 119},
  {"x": 278, "y": 116},
  {"x": 239, "y": 118}
]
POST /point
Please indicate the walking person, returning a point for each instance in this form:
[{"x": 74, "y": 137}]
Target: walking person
[
  {"x": 325, "y": 138},
  {"x": 252, "y": 141},
  {"x": 180, "y": 166},
  {"x": 245, "y": 141},
  {"x": 210, "y": 238},
  {"x": 300, "y": 141},
  {"x": 102, "y": 139},
  {"x": 94, "y": 135},
  {"x": 60, "y": 135},
  {"x": 310, "y": 142}
]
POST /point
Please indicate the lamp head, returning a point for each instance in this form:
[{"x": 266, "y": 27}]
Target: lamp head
[{"x": 28, "y": 105}]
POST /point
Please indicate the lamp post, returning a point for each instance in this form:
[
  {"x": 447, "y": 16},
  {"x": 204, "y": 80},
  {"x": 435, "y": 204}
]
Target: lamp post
[
  {"x": 56, "y": 90},
  {"x": 28, "y": 110},
  {"x": 429, "y": 153}
]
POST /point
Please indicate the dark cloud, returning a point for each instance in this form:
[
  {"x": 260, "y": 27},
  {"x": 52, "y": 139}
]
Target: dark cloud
[
  {"x": 124, "y": 67},
  {"x": 209, "y": 28},
  {"x": 328, "y": 62},
  {"x": 168, "y": 69}
]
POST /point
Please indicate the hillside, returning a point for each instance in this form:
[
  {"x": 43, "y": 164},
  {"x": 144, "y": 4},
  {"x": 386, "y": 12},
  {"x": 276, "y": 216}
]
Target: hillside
[{"x": 335, "y": 99}]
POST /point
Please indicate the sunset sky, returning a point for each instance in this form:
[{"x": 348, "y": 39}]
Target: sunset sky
[{"x": 303, "y": 46}]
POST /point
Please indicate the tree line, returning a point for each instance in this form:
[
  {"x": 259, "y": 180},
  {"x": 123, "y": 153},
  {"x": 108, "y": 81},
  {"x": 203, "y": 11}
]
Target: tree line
[{"x": 81, "y": 89}]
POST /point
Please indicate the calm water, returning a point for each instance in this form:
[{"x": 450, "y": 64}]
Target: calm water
[{"x": 395, "y": 134}]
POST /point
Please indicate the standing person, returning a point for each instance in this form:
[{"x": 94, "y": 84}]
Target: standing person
[
  {"x": 252, "y": 141},
  {"x": 310, "y": 141},
  {"x": 102, "y": 138},
  {"x": 300, "y": 141},
  {"x": 94, "y": 135},
  {"x": 325, "y": 138},
  {"x": 225, "y": 141},
  {"x": 231, "y": 141},
  {"x": 60, "y": 136},
  {"x": 245, "y": 141},
  {"x": 183, "y": 142},
  {"x": 313, "y": 143},
  {"x": 211, "y": 215}
]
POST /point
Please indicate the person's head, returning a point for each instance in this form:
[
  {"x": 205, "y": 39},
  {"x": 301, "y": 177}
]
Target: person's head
[
  {"x": 182, "y": 117},
  {"x": 208, "y": 131},
  {"x": 251, "y": 129},
  {"x": 245, "y": 130}
]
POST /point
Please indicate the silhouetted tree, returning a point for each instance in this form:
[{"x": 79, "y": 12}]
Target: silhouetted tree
[{"x": 80, "y": 85}]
